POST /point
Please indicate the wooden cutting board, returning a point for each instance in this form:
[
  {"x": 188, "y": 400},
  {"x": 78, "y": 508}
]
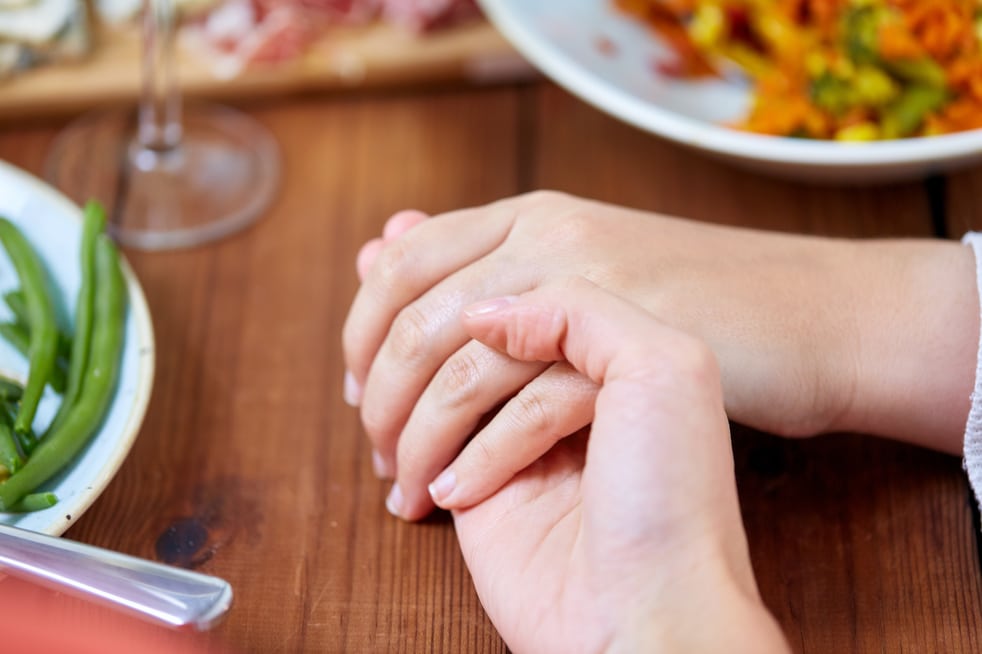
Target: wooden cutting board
[{"x": 344, "y": 58}]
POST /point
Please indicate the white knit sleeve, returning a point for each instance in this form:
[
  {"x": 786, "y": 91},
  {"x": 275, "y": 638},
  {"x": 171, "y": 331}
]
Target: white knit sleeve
[{"x": 973, "y": 428}]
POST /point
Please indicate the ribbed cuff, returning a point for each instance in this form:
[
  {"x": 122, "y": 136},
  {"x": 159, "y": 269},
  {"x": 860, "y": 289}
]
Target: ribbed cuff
[{"x": 973, "y": 427}]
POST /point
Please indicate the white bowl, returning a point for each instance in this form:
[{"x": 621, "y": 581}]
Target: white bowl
[
  {"x": 53, "y": 225},
  {"x": 564, "y": 38}
]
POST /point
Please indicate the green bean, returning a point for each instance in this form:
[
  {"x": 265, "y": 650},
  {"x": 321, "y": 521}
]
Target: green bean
[
  {"x": 95, "y": 222},
  {"x": 26, "y": 441},
  {"x": 17, "y": 335},
  {"x": 904, "y": 115},
  {"x": 60, "y": 445},
  {"x": 10, "y": 458},
  {"x": 18, "y": 306},
  {"x": 41, "y": 312},
  {"x": 10, "y": 390},
  {"x": 35, "y": 502}
]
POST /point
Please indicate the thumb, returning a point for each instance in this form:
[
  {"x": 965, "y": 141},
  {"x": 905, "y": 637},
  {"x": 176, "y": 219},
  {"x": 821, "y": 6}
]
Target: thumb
[{"x": 659, "y": 468}]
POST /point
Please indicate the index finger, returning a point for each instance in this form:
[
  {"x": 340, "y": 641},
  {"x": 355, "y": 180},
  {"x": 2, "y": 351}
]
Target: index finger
[{"x": 409, "y": 266}]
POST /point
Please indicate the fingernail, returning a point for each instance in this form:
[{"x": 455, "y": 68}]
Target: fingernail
[
  {"x": 380, "y": 467},
  {"x": 352, "y": 389},
  {"x": 489, "y": 306},
  {"x": 442, "y": 486},
  {"x": 394, "y": 501}
]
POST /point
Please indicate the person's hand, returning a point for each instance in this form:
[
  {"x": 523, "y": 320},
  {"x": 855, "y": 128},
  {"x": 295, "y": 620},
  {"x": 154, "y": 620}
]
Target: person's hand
[
  {"x": 630, "y": 539},
  {"x": 812, "y": 335}
]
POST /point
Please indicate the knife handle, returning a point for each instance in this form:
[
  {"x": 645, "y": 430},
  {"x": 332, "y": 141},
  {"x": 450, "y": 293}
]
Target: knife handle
[{"x": 176, "y": 597}]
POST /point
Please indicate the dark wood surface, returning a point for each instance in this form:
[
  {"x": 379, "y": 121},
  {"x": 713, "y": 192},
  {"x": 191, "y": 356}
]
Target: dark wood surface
[{"x": 250, "y": 466}]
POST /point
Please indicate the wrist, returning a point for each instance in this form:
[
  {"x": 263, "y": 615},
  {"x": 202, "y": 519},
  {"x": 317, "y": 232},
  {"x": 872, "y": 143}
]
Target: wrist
[
  {"x": 715, "y": 614},
  {"x": 915, "y": 340}
]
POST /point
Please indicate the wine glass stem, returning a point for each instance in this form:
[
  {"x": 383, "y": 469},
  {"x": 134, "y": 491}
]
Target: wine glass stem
[{"x": 160, "y": 103}]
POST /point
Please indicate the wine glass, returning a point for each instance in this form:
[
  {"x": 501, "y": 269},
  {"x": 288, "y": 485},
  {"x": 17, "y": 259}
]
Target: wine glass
[{"x": 169, "y": 177}]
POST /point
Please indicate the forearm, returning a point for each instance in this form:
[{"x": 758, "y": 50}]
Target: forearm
[{"x": 916, "y": 334}]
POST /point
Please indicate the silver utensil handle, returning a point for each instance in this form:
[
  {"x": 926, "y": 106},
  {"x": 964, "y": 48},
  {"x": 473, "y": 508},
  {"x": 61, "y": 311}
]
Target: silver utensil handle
[{"x": 161, "y": 593}]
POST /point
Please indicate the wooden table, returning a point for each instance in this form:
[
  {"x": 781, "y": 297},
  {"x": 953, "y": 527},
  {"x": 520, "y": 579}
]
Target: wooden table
[{"x": 250, "y": 466}]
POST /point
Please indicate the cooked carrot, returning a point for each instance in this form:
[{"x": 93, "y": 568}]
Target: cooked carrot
[{"x": 835, "y": 68}]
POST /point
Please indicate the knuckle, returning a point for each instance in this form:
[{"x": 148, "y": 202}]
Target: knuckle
[
  {"x": 412, "y": 462},
  {"x": 559, "y": 227},
  {"x": 579, "y": 227},
  {"x": 409, "y": 339},
  {"x": 458, "y": 382},
  {"x": 532, "y": 412},
  {"x": 695, "y": 362},
  {"x": 485, "y": 452},
  {"x": 539, "y": 210},
  {"x": 377, "y": 424},
  {"x": 574, "y": 283},
  {"x": 609, "y": 274},
  {"x": 544, "y": 196},
  {"x": 393, "y": 267},
  {"x": 537, "y": 336}
]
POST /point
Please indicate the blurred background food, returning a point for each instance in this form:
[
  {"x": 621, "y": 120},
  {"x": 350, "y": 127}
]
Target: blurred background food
[
  {"x": 853, "y": 70},
  {"x": 230, "y": 34},
  {"x": 36, "y": 31}
]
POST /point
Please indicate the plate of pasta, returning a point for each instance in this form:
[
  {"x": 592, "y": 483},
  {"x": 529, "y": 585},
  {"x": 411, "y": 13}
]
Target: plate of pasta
[{"x": 851, "y": 91}]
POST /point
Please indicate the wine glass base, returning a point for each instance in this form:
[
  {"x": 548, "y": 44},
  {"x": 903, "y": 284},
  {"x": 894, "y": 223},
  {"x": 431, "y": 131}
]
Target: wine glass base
[{"x": 217, "y": 182}]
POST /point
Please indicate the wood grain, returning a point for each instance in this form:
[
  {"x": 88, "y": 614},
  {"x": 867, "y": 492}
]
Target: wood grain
[
  {"x": 581, "y": 151},
  {"x": 960, "y": 196},
  {"x": 249, "y": 465}
]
